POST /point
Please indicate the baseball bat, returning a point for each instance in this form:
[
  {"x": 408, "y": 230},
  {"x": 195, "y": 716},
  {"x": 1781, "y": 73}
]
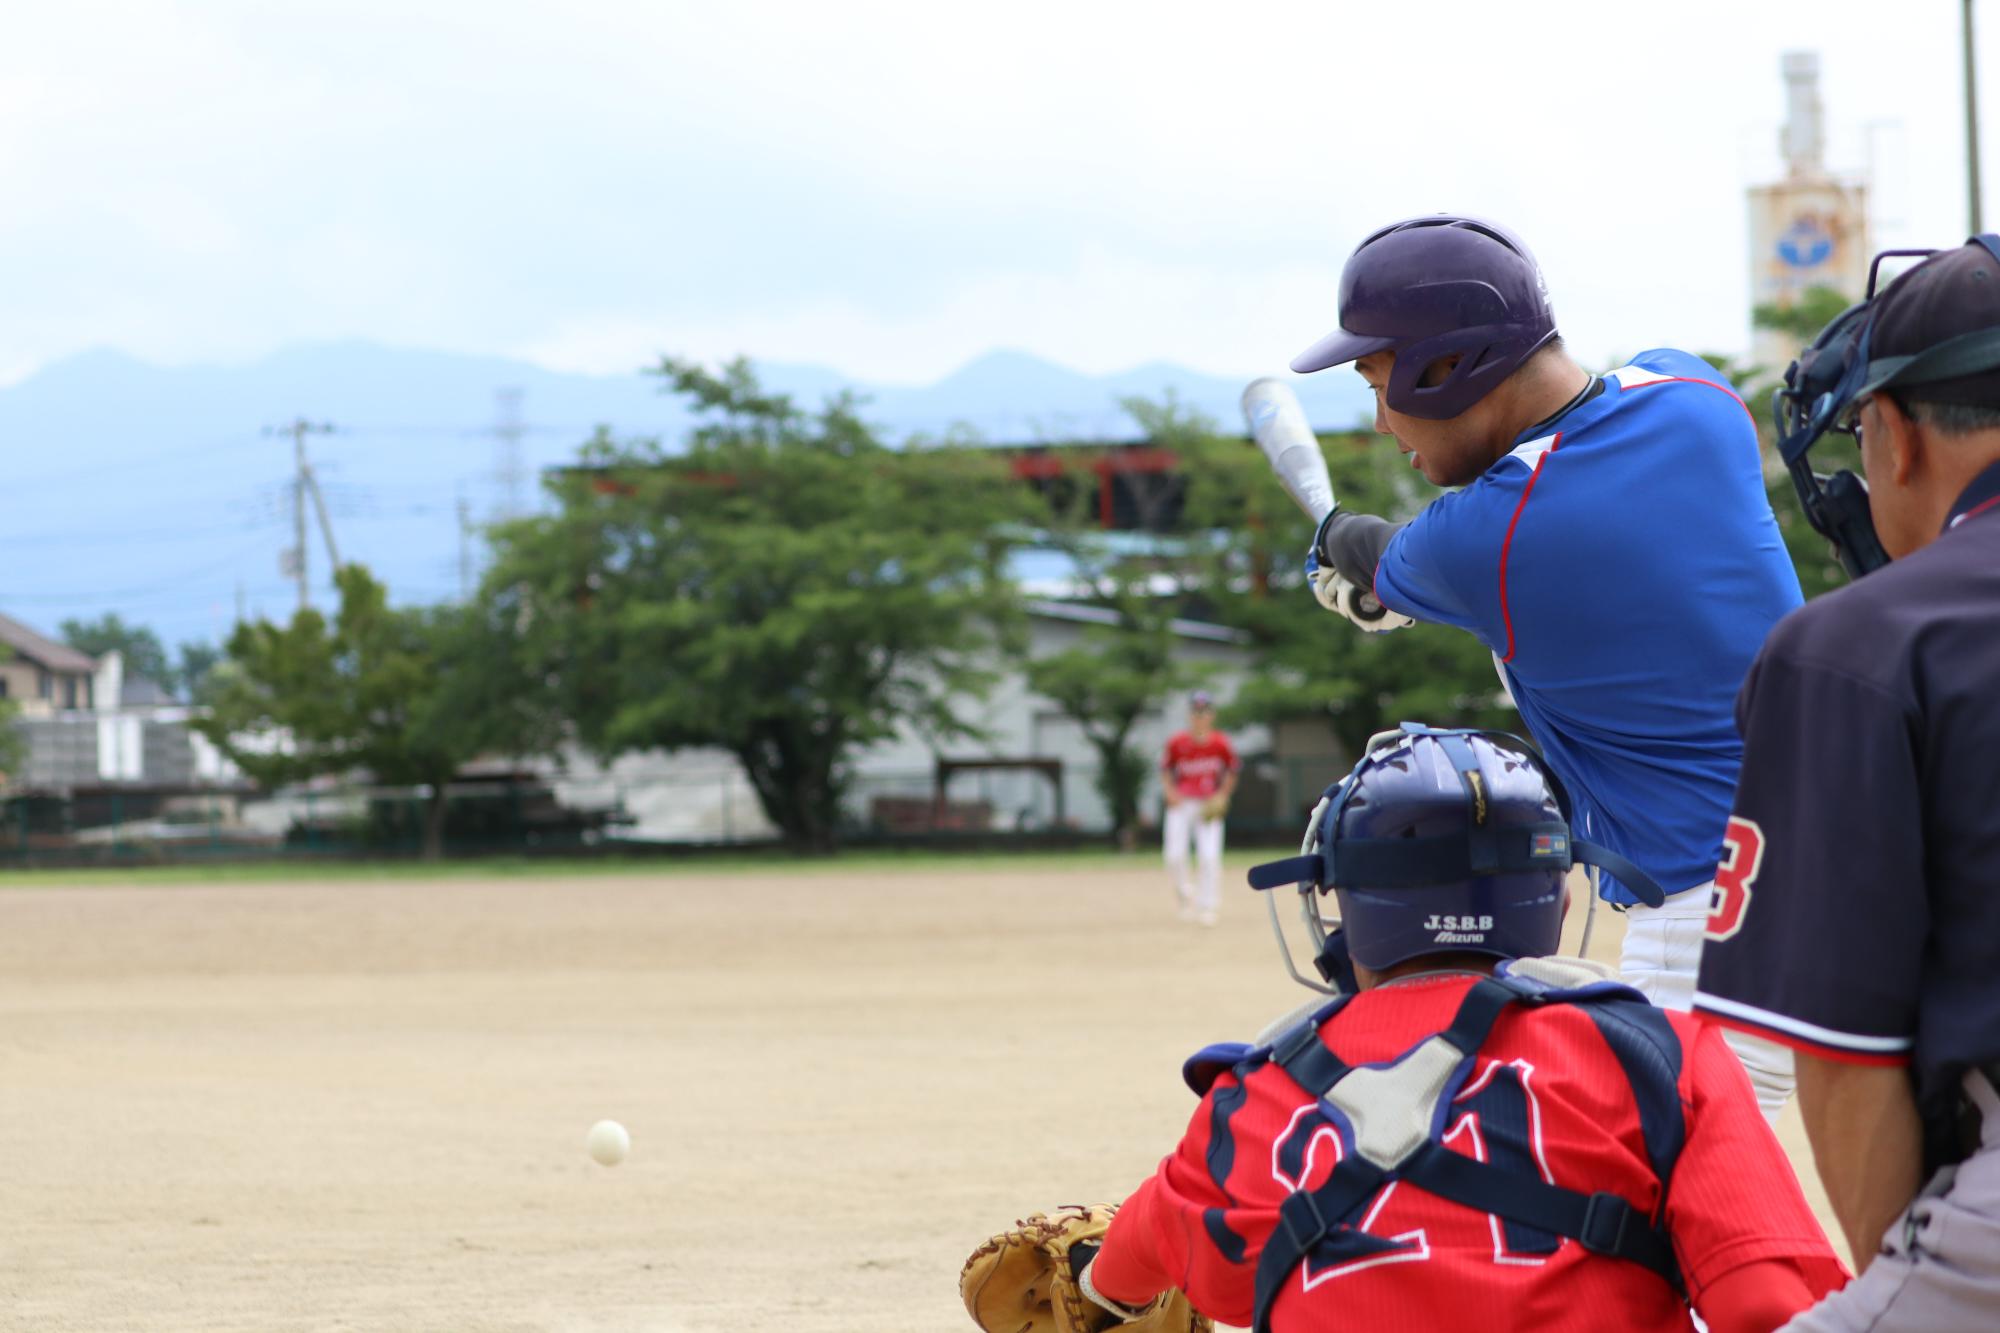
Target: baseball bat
[{"x": 1278, "y": 423}]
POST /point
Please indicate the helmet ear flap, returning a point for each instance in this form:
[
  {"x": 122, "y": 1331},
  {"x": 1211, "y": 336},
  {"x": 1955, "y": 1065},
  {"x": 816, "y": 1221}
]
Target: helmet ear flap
[
  {"x": 1335, "y": 964},
  {"x": 1487, "y": 354}
]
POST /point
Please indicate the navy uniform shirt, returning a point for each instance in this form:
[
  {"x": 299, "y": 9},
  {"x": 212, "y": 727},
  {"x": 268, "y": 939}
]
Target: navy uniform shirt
[{"x": 1857, "y": 908}]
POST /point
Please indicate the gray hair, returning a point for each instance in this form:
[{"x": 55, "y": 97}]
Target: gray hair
[{"x": 1954, "y": 418}]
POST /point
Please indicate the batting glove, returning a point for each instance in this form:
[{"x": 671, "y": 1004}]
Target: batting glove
[{"x": 1358, "y": 605}]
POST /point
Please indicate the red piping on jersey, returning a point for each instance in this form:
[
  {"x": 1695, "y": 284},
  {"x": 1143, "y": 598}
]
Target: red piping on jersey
[
  {"x": 1818, "y": 1050},
  {"x": 1976, "y": 509},
  {"x": 1689, "y": 379},
  {"x": 1505, "y": 617}
]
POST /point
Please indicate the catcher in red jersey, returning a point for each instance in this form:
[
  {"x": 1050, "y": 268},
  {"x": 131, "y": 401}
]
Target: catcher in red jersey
[
  {"x": 1469, "y": 1133},
  {"x": 1197, "y": 776}
]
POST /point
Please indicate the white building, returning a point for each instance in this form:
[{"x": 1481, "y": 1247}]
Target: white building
[
  {"x": 87, "y": 723},
  {"x": 703, "y": 796}
]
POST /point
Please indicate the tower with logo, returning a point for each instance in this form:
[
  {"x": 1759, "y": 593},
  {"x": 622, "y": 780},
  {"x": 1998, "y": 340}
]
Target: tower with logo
[{"x": 1809, "y": 229}]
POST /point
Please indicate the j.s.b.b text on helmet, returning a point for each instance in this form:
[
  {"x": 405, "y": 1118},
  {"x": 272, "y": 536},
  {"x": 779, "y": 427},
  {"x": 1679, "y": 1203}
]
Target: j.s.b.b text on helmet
[{"x": 1459, "y": 929}]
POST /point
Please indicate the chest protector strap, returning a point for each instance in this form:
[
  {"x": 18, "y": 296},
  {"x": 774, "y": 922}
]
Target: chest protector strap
[{"x": 1399, "y": 1112}]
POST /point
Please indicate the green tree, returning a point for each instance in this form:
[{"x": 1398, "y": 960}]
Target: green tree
[
  {"x": 1812, "y": 555},
  {"x": 789, "y": 589},
  {"x": 141, "y": 648},
  {"x": 197, "y": 660},
  {"x": 407, "y": 694},
  {"x": 1127, "y": 667},
  {"x": 13, "y": 745},
  {"x": 1803, "y": 319},
  {"x": 1115, "y": 674},
  {"x": 1234, "y": 557}
]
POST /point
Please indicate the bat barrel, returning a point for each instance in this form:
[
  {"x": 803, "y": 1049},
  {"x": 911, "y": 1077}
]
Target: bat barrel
[{"x": 1278, "y": 423}]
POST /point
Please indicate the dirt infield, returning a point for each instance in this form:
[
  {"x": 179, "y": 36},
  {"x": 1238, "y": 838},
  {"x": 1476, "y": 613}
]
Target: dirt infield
[{"x": 361, "y": 1105}]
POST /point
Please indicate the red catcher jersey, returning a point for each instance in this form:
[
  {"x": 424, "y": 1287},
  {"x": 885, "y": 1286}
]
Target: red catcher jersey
[
  {"x": 1195, "y": 767},
  {"x": 1546, "y": 1096}
]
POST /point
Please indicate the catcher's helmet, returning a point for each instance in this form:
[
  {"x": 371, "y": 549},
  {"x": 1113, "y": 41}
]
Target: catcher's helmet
[
  {"x": 1442, "y": 841},
  {"x": 1432, "y": 287}
]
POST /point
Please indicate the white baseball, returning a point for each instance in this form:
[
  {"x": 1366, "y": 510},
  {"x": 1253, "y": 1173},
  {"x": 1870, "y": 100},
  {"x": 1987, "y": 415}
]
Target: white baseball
[{"x": 608, "y": 1142}]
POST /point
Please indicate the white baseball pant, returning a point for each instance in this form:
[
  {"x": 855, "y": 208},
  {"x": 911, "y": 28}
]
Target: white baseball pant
[
  {"x": 1662, "y": 959},
  {"x": 1201, "y": 895}
]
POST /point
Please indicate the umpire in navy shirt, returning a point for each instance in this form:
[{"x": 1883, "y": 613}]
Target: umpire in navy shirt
[{"x": 1856, "y": 915}]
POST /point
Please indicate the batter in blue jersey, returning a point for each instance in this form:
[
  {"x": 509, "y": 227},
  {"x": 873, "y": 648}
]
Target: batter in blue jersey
[{"x": 1612, "y": 544}]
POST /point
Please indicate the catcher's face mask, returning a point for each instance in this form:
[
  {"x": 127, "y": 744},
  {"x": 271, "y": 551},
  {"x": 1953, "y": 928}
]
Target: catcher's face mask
[{"x": 1823, "y": 391}]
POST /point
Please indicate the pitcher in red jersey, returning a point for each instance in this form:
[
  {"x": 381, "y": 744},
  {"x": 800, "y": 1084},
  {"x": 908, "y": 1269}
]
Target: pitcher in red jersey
[
  {"x": 1197, "y": 775},
  {"x": 1468, "y": 1134}
]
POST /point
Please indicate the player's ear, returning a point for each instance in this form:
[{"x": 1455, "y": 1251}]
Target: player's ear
[
  {"x": 1902, "y": 442},
  {"x": 1438, "y": 371}
]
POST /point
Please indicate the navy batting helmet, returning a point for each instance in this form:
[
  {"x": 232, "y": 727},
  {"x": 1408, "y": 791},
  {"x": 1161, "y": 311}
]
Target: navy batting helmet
[
  {"x": 1432, "y": 287},
  {"x": 1442, "y": 841}
]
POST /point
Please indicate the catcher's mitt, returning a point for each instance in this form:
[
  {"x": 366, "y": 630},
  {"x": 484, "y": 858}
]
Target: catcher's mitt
[
  {"x": 1215, "y": 807},
  {"x": 1022, "y": 1281}
]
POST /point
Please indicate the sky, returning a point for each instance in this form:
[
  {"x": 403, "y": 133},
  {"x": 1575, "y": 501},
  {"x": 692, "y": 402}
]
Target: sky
[{"x": 892, "y": 189}]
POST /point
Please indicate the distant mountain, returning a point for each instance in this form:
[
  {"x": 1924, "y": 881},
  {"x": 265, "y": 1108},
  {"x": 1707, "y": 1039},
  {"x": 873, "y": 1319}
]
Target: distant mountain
[
  {"x": 1012, "y": 397},
  {"x": 162, "y": 494}
]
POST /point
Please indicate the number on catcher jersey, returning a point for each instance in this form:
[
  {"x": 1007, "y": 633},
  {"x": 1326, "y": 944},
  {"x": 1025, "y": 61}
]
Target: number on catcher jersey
[
  {"x": 1499, "y": 1123},
  {"x": 1741, "y": 861}
]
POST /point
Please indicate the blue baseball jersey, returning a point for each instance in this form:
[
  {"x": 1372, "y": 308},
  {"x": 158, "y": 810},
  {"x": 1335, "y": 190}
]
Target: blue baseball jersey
[{"x": 1624, "y": 566}]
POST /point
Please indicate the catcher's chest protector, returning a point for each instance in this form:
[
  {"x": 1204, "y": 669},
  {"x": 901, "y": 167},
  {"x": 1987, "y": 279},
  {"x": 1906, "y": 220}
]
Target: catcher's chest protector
[{"x": 1392, "y": 1118}]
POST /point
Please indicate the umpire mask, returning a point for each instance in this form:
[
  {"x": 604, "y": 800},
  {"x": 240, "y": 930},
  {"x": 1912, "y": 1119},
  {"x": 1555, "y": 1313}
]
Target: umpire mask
[{"x": 1871, "y": 347}]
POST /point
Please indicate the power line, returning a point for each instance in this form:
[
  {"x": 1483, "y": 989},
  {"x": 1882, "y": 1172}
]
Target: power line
[
  {"x": 174, "y": 582},
  {"x": 181, "y": 454},
  {"x": 72, "y": 536},
  {"x": 268, "y": 509},
  {"x": 381, "y": 430}
]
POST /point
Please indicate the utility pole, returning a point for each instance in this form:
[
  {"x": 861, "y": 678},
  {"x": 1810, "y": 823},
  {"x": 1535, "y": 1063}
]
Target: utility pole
[
  {"x": 294, "y": 562},
  {"x": 508, "y": 430},
  {"x": 464, "y": 549},
  {"x": 1971, "y": 119}
]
